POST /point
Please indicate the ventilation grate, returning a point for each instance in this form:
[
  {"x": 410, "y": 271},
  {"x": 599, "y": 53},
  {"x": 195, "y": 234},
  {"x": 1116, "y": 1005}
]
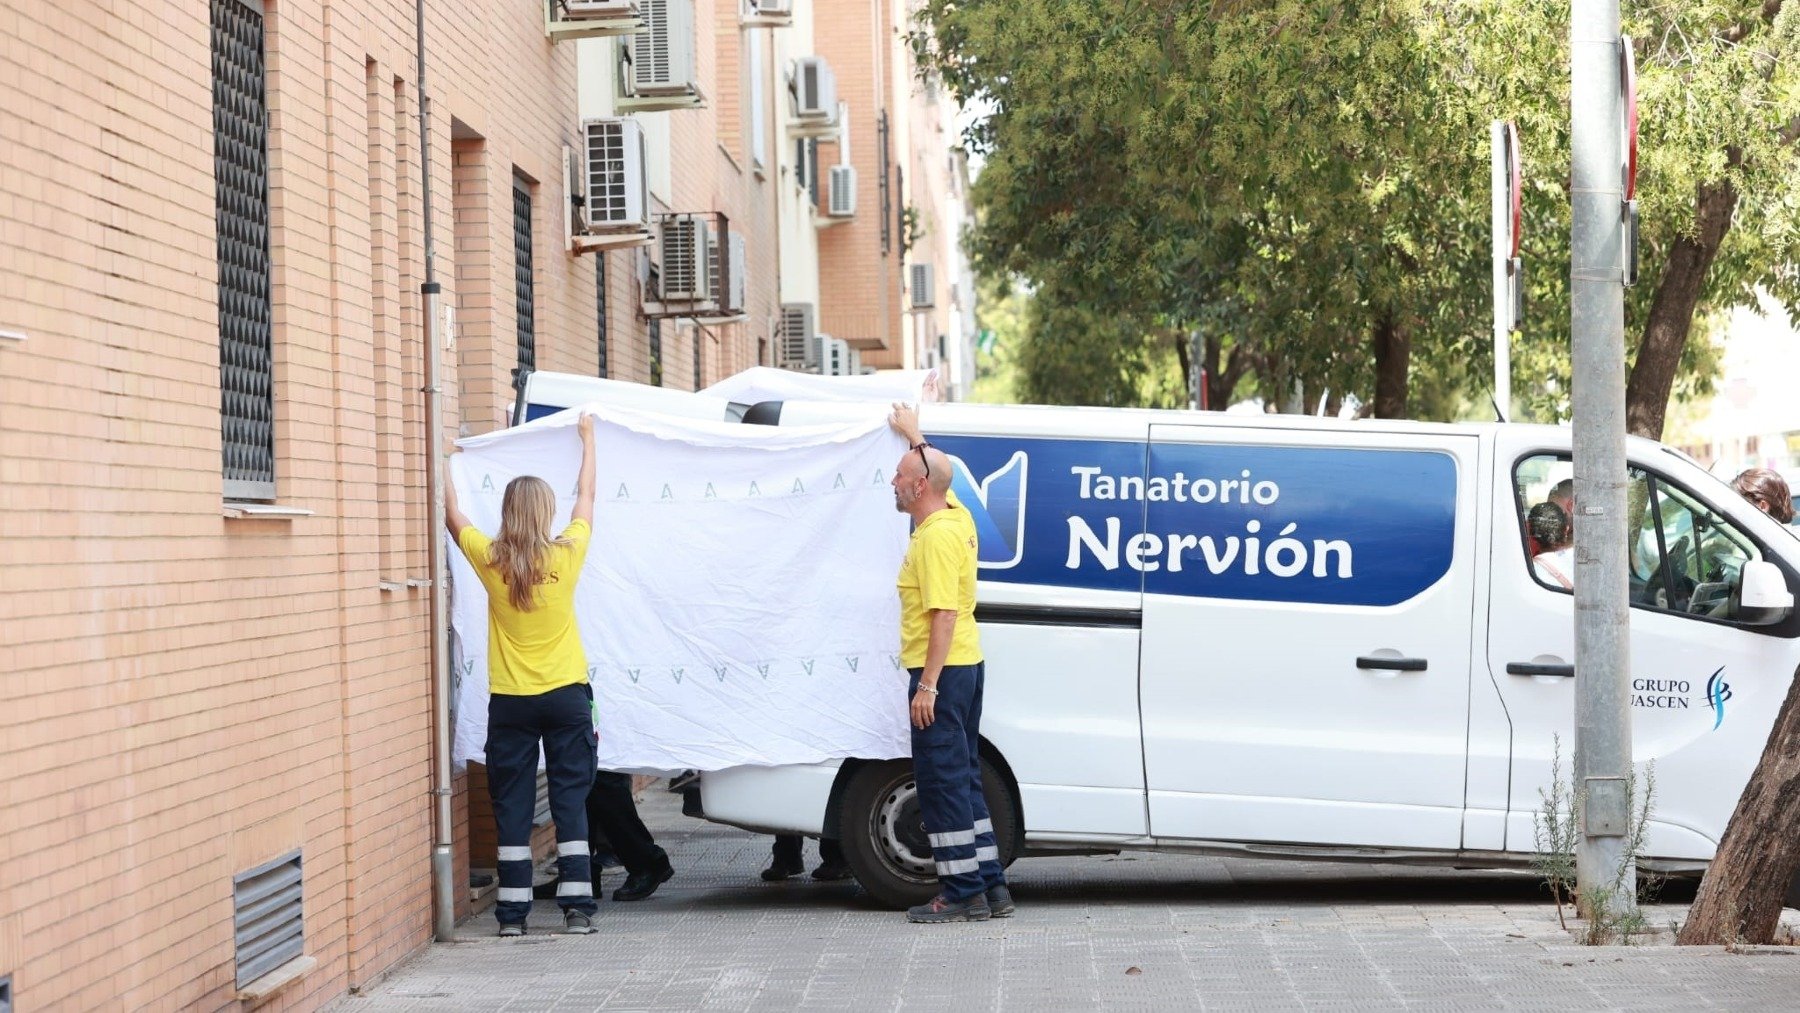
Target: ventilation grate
[{"x": 267, "y": 912}]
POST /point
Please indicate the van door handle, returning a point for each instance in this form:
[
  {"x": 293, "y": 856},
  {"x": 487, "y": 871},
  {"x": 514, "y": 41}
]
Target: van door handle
[
  {"x": 1536, "y": 668},
  {"x": 1392, "y": 664}
]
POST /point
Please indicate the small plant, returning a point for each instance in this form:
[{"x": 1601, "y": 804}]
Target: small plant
[
  {"x": 1556, "y": 827},
  {"x": 1554, "y": 830}
]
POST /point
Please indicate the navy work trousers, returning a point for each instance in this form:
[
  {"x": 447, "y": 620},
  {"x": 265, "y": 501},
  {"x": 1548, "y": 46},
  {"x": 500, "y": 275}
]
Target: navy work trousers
[
  {"x": 947, "y": 765},
  {"x": 563, "y": 719}
]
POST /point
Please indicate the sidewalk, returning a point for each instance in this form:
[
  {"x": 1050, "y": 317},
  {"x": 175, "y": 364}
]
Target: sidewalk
[{"x": 1132, "y": 932}]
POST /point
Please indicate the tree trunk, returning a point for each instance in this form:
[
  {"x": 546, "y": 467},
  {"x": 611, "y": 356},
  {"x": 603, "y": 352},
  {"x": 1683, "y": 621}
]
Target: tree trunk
[
  {"x": 1741, "y": 895},
  {"x": 1393, "y": 357},
  {"x": 1672, "y": 309}
]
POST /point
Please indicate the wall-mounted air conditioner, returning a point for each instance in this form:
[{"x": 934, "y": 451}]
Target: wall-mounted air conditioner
[
  {"x": 799, "y": 346},
  {"x": 656, "y": 65},
  {"x": 922, "y": 281},
  {"x": 728, "y": 277},
  {"x": 840, "y": 201},
  {"x": 686, "y": 272},
  {"x": 834, "y": 356},
  {"x": 766, "y": 13},
  {"x": 814, "y": 93},
  {"x": 609, "y": 199},
  {"x": 590, "y": 19}
]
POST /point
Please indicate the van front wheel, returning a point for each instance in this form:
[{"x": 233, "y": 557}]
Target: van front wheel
[{"x": 884, "y": 835}]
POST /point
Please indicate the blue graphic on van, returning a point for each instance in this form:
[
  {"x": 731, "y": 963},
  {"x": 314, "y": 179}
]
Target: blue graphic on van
[
  {"x": 997, "y": 503},
  {"x": 1254, "y": 523},
  {"x": 1717, "y": 692}
]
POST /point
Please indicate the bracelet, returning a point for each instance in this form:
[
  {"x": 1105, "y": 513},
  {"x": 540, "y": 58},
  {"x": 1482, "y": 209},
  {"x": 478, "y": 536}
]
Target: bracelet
[{"x": 928, "y": 689}]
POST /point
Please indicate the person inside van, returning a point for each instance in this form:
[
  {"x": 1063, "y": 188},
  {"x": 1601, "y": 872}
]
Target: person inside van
[
  {"x": 1768, "y": 490},
  {"x": 1563, "y": 495},
  {"x": 1550, "y": 531}
]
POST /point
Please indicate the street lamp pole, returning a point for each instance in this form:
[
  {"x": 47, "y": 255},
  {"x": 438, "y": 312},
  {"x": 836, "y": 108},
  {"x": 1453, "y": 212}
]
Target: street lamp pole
[{"x": 1602, "y": 610}]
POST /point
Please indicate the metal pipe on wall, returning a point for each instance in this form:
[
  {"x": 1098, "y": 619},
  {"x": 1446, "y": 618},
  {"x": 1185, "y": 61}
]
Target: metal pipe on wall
[{"x": 443, "y": 885}]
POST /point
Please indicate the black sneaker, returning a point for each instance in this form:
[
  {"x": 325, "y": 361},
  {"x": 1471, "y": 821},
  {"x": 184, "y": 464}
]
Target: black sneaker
[
  {"x": 1000, "y": 901},
  {"x": 833, "y": 871},
  {"x": 640, "y": 885},
  {"x": 776, "y": 872},
  {"x": 576, "y": 923},
  {"x": 509, "y": 930},
  {"x": 943, "y": 909}
]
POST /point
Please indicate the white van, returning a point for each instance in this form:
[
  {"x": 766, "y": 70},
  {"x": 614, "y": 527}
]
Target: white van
[{"x": 1299, "y": 637}]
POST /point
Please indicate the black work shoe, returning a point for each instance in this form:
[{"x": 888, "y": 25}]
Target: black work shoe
[
  {"x": 640, "y": 885},
  {"x": 776, "y": 872},
  {"x": 510, "y": 929},
  {"x": 833, "y": 871},
  {"x": 1000, "y": 901},
  {"x": 577, "y": 923},
  {"x": 943, "y": 909}
]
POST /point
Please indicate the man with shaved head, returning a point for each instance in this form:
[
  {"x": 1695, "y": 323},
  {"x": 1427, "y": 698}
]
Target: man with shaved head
[{"x": 941, "y": 649}]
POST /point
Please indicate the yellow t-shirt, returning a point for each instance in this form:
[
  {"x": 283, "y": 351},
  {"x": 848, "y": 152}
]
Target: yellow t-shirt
[
  {"x": 939, "y": 573},
  {"x": 531, "y": 653}
]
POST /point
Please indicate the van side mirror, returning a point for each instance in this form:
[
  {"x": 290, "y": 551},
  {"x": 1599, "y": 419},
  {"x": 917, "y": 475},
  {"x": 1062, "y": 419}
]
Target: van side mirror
[{"x": 1763, "y": 597}]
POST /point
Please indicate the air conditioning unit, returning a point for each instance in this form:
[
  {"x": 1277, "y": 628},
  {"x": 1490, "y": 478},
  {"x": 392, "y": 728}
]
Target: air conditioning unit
[
  {"x": 737, "y": 288},
  {"x": 841, "y": 200},
  {"x": 612, "y": 187},
  {"x": 656, "y": 66},
  {"x": 767, "y": 13},
  {"x": 686, "y": 272},
  {"x": 923, "y": 283},
  {"x": 728, "y": 279},
  {"x": 596, "y": 10},
  {"x": 567, "y": 20},
  {"x": 799, "y": 347},
  {"x": 815, "y": 90},
  {"x": 834, "y": 356}
]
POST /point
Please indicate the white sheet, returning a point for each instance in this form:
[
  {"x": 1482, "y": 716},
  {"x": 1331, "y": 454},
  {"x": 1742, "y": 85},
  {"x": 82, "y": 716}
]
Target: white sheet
[{"x": 737, "y": 605}]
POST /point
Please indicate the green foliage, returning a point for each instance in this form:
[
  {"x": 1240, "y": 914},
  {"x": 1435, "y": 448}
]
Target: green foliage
[
  {"x": 1286, "y": 177},
  {"x": 1000, "y": 308}
]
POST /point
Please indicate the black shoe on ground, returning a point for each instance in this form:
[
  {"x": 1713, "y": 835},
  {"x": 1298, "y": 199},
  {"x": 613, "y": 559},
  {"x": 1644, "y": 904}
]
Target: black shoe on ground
[
  {"x": 640, "y": 885},
  {"x": 606, "y": 862},
  {"x": 575, "y": 923},
  {"x": 942, "y": 909},
  {"x": 1000, "y": 901},
  {"x": 776, "y": 872},
  {"x": 833, "y": 871},
  {"x": 509, "y": 930}
]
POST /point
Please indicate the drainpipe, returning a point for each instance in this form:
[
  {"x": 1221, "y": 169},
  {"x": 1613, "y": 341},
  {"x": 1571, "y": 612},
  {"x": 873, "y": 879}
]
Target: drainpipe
[{"x": 443, "y": 885}]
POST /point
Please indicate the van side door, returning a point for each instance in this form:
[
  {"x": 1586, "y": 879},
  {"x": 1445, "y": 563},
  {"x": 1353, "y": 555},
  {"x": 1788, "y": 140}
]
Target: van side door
[{"x": 1308, "y": 602}]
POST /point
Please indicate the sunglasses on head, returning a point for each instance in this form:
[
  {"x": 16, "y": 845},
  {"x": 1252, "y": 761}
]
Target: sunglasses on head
[{"x": 924, "y": 461}]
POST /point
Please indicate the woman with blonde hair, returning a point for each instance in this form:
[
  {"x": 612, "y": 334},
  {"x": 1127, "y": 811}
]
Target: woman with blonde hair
[{"x": 537, "y": 683}]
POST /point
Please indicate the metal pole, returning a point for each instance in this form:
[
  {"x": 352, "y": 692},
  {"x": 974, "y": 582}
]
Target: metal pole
[
  {"x": 1502, "y": 208},
  {"x": 1602, "y": 610},
  {"x": 443, "y": 884}
]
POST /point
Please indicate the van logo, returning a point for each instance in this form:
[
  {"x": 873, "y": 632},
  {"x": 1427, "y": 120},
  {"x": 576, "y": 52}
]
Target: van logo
[
  {"x": 997, "y": 505},
  {"x": 1717, "y": 692}
]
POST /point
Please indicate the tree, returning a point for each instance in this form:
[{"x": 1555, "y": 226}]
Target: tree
[
  {"x": 1741, "y": 896},
  {"x": 1305, "y": 184}
]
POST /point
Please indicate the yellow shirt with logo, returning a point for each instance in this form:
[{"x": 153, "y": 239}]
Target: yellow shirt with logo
[
  {"x": 533, "y": 652},
  {"x": 939, "y": 573}
]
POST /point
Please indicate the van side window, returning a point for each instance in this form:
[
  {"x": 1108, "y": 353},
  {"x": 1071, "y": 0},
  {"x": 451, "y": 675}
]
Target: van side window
[{"x": 1682, "y": 556}]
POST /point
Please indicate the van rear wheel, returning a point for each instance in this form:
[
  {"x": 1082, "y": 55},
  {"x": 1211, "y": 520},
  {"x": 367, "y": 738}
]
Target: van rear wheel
[{"x": 883, "y": 833}]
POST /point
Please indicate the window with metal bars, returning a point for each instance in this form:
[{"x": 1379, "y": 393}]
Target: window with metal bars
[
  {"x": 881, "y": 144},
  {"x": 699, "y": 377},
  {"x": 522, "y": 284},
  {"x": 812, "y": 169},
  {"x": 241, "y": 206},
  {"x": 656, "y": 372},
  {"x": 600, "y": 306}
]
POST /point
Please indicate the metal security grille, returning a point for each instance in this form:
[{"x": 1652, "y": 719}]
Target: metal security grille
[
  {"x": 267, "y": 903},
  {"x": 656, "y": 370},
  {"x": 241, "y": 204},
  {"x": 812, "y": 170},
  {"x": 522, "y": 287},
  {"x": 881, "y": 144},
  {"x": 600, "y": 305},
  {"x": 699, "y": 376}
]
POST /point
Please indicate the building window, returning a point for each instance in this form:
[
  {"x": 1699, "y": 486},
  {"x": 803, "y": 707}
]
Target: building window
[
  {"x": 522, "y": 287},
  {"x": 800, "y": 162},
  {"x": 699, "y": 376},
  {"x": 812, "y": 170},
  {"x": 600, "y": 305},
  {"x": 887, "y": 198},
  {"x": 656, "y": 376},
  {"x": 758, "y": 131},
  {"x": 241, "y": 206}
]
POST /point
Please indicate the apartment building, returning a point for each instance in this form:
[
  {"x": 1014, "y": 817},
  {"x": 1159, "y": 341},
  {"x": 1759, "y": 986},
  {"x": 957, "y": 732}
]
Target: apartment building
[{"x": 257, "y": 259}]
